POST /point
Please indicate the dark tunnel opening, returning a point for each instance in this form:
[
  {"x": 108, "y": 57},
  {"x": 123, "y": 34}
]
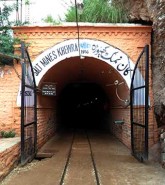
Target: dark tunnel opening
[{"x": 84, "y": 106}]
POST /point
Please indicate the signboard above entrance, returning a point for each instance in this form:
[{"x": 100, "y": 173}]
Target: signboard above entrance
[{"x": 84, "y": 48}]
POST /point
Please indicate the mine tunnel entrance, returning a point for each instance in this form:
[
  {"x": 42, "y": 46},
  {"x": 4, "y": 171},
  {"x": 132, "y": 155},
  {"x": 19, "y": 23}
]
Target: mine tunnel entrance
[
  {"x": 91, "y": 91},
  {"x": 83, "y": 105},
  {"x": 90, "y": 94}
]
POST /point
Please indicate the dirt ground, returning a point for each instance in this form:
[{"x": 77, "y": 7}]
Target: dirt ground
[{"x": 114, "y": 163}]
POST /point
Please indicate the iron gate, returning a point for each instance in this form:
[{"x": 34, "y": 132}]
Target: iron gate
[
  {"x": 28, "y": 109},
  {"x": 139, "y": 98}
]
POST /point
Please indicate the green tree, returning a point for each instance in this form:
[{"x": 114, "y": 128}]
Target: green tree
[
  {"x": 7, "y": 40},
  {"x": 51, "y": 20},
  {"x": 99, "y": 11}
]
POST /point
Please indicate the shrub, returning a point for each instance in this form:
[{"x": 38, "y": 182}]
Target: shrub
[
  {"x": 98, "y": 11},
  {"x": 8, "y": 134}
]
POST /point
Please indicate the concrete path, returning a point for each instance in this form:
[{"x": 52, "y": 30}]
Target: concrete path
[
  {"x": 114, "y": 163},
  {"x": 117, "y": 167}
]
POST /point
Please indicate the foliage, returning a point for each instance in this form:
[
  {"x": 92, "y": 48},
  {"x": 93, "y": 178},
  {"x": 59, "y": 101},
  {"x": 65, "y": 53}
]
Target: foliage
[
  {"x": 5, "y": 13},
  {"x": 7, "y": 41},
  {"x": 98, "y": 11},
  {"x": 51, "y": 20},
  {"x": 70, "y": 16},
  {"x": 27, "y": 2},
  {"x": 8, "y": 134}
]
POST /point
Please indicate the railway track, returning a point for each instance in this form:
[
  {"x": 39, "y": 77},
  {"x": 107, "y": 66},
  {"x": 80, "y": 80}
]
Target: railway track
[{"x": 78, "y": 135}]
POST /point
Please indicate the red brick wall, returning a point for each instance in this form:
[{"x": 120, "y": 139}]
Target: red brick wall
[
  {"x": 9, "y": 85},
  {"x": 130, "y": 39},
  {"x": 46, "y": 124},
  {"x": 121, "y": 131},
  {"x": 8, "y": 160}
]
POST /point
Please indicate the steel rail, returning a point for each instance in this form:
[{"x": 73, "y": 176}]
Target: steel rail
[
  {"x": 67, "y": 161},
  {"x": 69, "y": 157},
  {"x": 93, "y": 161}
]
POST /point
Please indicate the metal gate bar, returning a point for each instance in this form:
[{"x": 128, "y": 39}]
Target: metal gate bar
[{"x": 139, "y": 101}]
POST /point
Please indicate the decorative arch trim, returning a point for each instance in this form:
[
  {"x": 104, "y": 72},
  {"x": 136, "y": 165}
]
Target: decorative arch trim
[{"x": 84, "y": 48}]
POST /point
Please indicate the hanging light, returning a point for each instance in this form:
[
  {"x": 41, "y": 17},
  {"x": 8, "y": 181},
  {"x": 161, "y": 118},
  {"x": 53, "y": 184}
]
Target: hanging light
[{"x": 80, "y": 7}]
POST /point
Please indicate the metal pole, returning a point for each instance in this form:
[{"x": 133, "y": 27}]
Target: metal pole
[
  {"x": 22, "y": 114},
  {"x": 21, "y": 12},
  {"x": 1, "y": 21},
  {"x": 146, "y": 99},
  {"x": 22, "y": 106},
  {"x": 78, "y": 30},
  {"x": 17, "y": 13}
]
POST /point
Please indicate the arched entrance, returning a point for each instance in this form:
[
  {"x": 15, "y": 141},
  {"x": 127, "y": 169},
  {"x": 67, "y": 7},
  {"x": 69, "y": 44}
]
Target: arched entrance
[
  {"x": 83, "y": 63},
  {"x": 91, "y": 76},
  {"x": 70, "y": 64}
]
